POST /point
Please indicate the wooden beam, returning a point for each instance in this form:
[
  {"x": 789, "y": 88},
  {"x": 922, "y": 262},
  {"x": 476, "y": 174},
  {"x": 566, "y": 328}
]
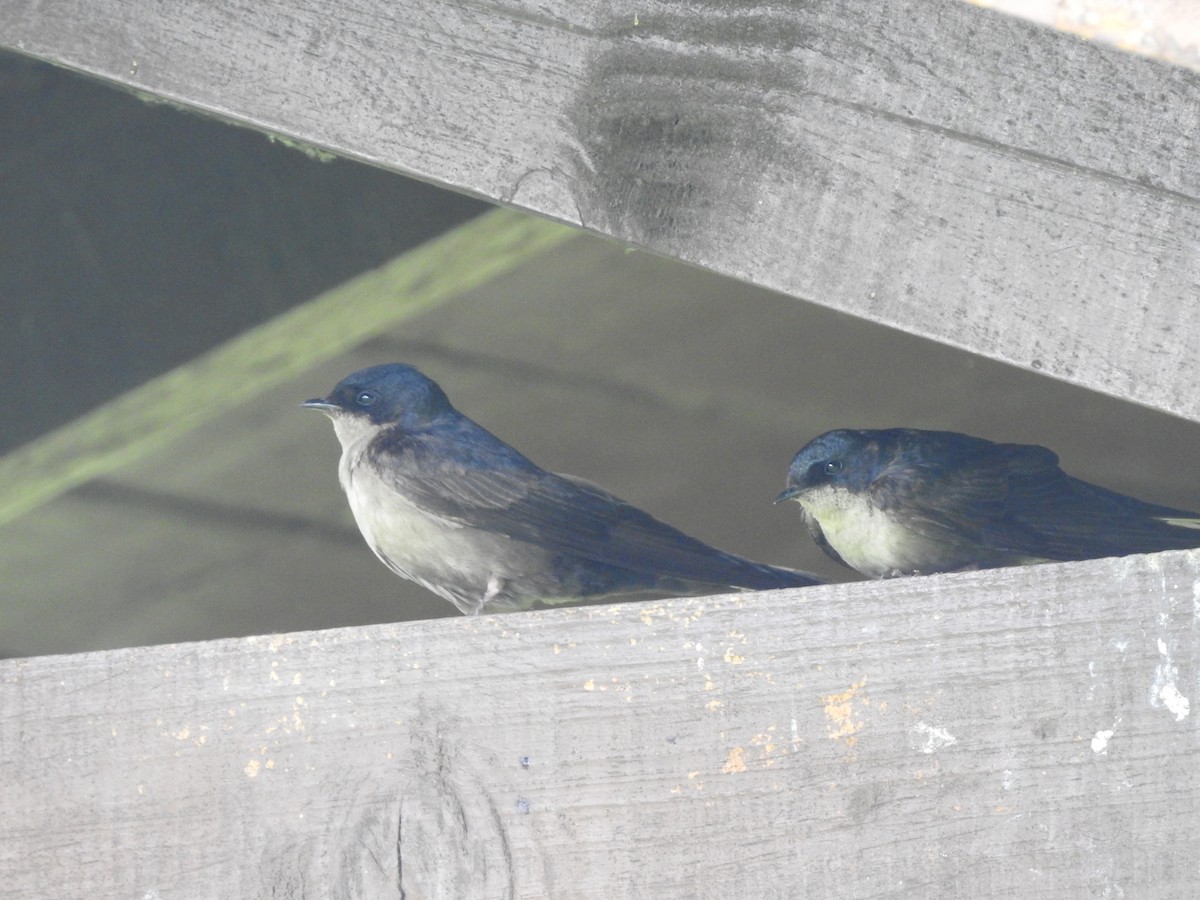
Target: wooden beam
[
  {"x": 1011, "y": 733},
  {"x": 948, "y": 170},
  {"x": 123, "y": 431}
]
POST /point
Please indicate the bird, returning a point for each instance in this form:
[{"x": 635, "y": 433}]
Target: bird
[
  {"x": 904, "y": 501},
  {"x": 447, "y": 504}
]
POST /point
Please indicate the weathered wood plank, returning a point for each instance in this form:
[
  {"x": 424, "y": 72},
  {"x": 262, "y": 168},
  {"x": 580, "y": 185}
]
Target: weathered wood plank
[
  {"x": 948, "y": 170},
  {"x": 1013, "y": 733}
]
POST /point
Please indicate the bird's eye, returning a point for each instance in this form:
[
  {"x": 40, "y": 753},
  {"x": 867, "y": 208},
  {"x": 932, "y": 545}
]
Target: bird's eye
[
  {"x": 366, "y": 398},
  {"x": 833, "y": 466}
]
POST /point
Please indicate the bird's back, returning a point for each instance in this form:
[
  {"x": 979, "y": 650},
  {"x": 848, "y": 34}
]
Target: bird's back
[
  {"x": 474, "y": 518},
  {"x": 1079, "y": 520}
]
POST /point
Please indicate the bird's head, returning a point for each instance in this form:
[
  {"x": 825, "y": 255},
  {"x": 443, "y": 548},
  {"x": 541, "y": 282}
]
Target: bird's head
[
  {"x": 380, "y": 396},
  {"x": 840, "y": 459}
]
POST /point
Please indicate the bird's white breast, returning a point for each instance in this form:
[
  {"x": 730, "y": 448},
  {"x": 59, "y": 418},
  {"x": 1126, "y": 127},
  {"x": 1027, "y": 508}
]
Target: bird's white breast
[
  {"x": 866, "y": 537},
  {"x": 441, "y": 555},
  {"x": 394, "y": 527}
]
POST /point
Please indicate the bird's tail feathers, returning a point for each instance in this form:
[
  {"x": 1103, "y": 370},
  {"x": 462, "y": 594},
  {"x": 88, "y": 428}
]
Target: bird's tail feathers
[{"x": 1180, "y": 521}]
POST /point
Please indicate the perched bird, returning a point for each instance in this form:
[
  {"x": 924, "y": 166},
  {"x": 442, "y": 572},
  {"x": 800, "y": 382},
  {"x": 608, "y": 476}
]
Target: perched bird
[
  {"x": 450, "y": 506},
  {"x": 909, "y": 502}
]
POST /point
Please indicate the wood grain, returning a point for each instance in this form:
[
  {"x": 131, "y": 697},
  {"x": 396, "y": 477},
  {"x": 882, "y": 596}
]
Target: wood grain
[
  {"x": 930, "y": 165},
  {"x": 1014, "y": 733}
]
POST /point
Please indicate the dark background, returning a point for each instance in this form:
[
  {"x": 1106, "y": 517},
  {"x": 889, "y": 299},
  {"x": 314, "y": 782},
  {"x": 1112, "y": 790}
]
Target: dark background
[{"x": 134, "y": 236}]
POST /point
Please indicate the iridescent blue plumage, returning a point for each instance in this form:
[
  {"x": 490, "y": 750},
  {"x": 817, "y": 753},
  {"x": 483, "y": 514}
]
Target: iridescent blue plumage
[
  {"x": 902, "y": 501},
  {"x": 447, "y": 504}
]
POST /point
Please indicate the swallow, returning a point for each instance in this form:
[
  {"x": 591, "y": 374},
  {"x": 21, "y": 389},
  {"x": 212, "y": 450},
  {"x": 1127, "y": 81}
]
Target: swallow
[
  {"x": 450, "y": 506},
  {"x": 907, "y": 502}
]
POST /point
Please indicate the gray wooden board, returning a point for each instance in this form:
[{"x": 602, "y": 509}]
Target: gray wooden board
[
  {"x": 1015, "y": 733},
  {"x": 948, "y": 170}
]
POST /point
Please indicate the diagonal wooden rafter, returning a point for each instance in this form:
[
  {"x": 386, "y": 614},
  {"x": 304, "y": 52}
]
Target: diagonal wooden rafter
[
  {"x": 166, "y": 408},
  {"x": 947, "y": 170}
]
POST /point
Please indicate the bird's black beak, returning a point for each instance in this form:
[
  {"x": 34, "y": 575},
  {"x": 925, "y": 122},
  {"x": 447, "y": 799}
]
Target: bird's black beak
[
  {"x": 318, "y": 403},
  {"x": 789, "y": 494}
]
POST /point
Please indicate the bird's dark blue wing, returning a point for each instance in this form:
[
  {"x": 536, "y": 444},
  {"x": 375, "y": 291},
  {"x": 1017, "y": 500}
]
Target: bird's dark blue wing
[
  {"x": 1078, "y": 520},
  {"x": 1015, "y": 499},
  {"x": 471, "y": 478},
  {"x": 957, "y": 489}
]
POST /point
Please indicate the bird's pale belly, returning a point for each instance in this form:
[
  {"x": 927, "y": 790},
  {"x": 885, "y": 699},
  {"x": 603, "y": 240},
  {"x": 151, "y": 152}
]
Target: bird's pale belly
[
  {"x": 476, "y": 570},
  {"x": 868, "y": 539},
  {"x": 454, "y": 562},
  {"x": 442, "y": 556},
  {"x": 874, "y": 543}
]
